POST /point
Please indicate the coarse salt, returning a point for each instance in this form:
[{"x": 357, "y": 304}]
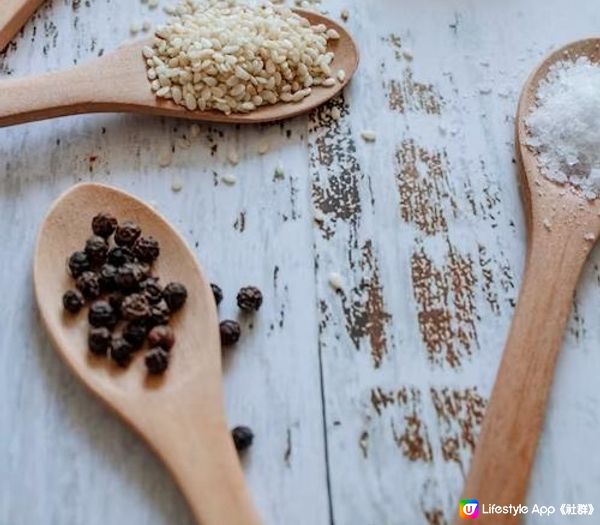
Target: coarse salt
[{"x": 564, "y": 125}]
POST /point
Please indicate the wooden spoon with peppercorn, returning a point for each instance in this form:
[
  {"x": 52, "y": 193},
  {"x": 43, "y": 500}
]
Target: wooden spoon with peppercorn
[
  {"x": 181, "y": 413},
  {"x": 117, "y": 82}
]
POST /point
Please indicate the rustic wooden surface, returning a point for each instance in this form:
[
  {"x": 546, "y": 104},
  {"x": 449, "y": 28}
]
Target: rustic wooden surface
[{"x": 366, "y": 402}]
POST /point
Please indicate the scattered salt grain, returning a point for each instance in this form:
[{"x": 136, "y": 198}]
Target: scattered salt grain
[
  {"x": 229, "y": 179},
  {"x": 589, "y": 237},
  {"x": 183, "y": 143},
  {"x": 263, "y": 147},
  {"x": 341, "y": 75},
  {"x": 547, "y": 224},
  {"x": 368, "y": 135},
  {"x": 165, "y": 158},
  {"x": 279, "y": 173},
  {"x": 146, "y": 26},
  {"x": 233, "y": 157},
  {"x": 177, "y": 185},
  {"x": 336, "y": 282},
  {"x": 344, "y": 15},
  {"x": 152, "y": 4},
  {"x": 564, "y": 125},
  {"x": 135, "y": 28},
  {"x": 194, "y": 130}
]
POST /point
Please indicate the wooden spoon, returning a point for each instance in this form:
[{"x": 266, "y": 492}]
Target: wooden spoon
[
  {"x": 13, "y": 15},
  {"x": 563, "y": 227},
  {"x": 117, "y": 83},
  {"x": 181, "y": 415}
]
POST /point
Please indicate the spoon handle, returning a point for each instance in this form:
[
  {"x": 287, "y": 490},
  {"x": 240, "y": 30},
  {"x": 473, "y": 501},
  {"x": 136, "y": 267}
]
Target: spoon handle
[
  {"x": 72, "y": 91},
  {"x": 514, "y": 418},
  {"x": 13, "y": 15},
  {"x": 111, "y": 83},
  {"x": 195, "y": 444}
]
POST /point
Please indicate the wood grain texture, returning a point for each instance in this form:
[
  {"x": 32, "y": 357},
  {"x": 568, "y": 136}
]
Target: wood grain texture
[{"x": 366, "y": 404}]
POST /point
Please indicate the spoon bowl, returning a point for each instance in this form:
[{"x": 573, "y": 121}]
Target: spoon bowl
[
  {"x": 117, "y": 82},
  {"x": 181, "y": 414},
  {"x": 563, "y": 226},
  {"x": 538, "y": 190}
]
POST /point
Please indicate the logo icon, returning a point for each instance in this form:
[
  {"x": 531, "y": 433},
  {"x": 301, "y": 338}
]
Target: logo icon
[{"x": 468, "y": 509}]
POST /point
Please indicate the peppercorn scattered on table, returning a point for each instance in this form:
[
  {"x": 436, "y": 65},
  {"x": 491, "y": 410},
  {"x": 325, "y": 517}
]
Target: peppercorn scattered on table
[{"x": 376, "y": 246}]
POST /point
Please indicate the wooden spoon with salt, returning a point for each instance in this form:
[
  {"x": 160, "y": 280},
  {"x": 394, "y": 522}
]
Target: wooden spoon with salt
[
  {"x": 562, "y": 226},
  {"x": 117, "y": 82},
  {"x": 181, "y": 414},
  {"x": 13, "y": 15}
]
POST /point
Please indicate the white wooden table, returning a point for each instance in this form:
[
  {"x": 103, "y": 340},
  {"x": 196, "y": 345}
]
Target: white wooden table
[{"x": 366, "y": 404}]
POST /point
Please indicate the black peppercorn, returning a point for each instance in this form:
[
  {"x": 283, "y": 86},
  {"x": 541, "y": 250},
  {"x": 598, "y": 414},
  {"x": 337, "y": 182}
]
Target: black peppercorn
[
  {"x": 217, "y": 292},
  {"x": 101, "y": 313},
  {"x": 104, "y": 225},
  {"x": 73, "y": 301},
  {"x": 89, "y": 285},
  {"x": 135, "y": 334},
  {"x": 145, "y": 270},
  {"x": 127, "y": 233},
  {"x": 121, "y": 351},
  {"x": 161, "y": 336},
  {"x": 175, "y": 295},
  {"x": 249, "y": 299},
  {"x": 146, "y": 249},
  {"x": 78, "y": 263},
  {"x": 135, "y": 307},
  {"x": 96, "y": 249},
  {"x": 242, "y": 438},
  {"x": 159, "y": 314},
  {"x": 230, "y": 332},
  {"x": 151, "y": 290},
  {"x": 106, "y": 276},
  {"x": 128, "y": 277},
  {"x": 119, "y": 255},
  {"x": 157, "y": 361},
  {"x": 99, "y": 340},
  {"x": 116, "y": 300}
]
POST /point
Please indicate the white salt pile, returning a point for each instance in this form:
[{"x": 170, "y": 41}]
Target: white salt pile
[
  {"x": 224, "y": 55},
  {"x": 564, "y": 126}
]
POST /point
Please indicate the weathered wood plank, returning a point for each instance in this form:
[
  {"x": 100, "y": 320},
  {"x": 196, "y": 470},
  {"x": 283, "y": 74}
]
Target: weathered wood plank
[
  {"x": 56, "y": 442},
  {"x": 425, "y": 226}
]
